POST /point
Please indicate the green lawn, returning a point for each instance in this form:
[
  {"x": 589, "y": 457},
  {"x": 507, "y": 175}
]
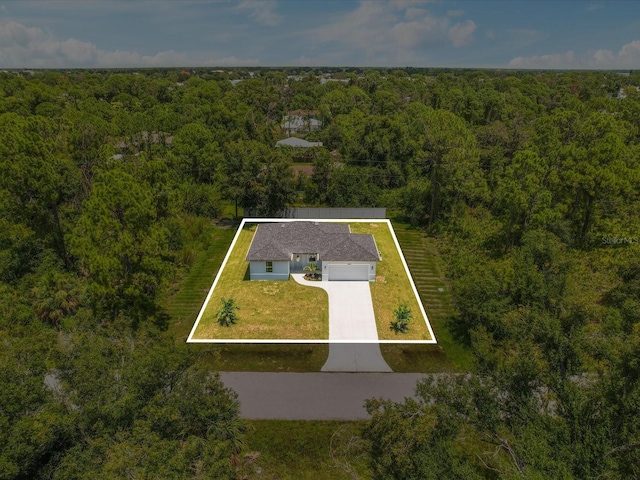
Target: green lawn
[
  {"x": 287, "y": 310},
  {"x": 300, "y": 450},
  {"x": 268, "y": 309},
  {"x": 392, "y": 287},
  {"x": 286, "y": 357}
]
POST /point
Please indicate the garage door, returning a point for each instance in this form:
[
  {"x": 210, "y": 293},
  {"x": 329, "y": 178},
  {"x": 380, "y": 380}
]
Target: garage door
[{"x": 349, "y": 272}]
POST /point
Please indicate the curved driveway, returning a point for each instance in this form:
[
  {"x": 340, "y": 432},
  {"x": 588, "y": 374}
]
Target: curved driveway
[
  {"x": 351, "y": 316},
  {"x": 352, "y": 327}
]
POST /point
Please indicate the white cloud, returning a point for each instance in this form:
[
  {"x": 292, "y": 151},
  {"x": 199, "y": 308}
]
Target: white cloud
[
  {"x": 629, "y": 54},
  {"x": 429, "y": 30},
  {"x": 628, "y": 57},
  {"x": 461, "y": 34},
  {"x": 393, "y": 32},
  {"x": 263, "y": 12},
  {"x": 26, "y": 47},
  {"x": 77, "y": 51},
  {"x": 13, "y": 33},
  {"x": 603, "y": 57},
  {"x": 362, "y": 29},
  {"x": 22, "y": 46}
]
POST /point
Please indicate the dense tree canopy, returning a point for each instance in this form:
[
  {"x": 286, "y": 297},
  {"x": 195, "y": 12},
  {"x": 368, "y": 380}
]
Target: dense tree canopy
[{"x": 528, "y": 181}]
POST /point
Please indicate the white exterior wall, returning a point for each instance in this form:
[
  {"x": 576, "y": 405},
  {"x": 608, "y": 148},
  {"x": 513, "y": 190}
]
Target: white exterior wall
[
  {"x": 327, "y": 263},
  {"x": 258, "y": 271}
]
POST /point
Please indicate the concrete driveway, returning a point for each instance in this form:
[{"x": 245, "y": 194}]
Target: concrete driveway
[{"x": 351, "y": 319}]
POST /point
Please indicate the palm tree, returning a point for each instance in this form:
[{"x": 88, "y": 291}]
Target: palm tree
[
  {"x": 402, "y": 316},
  {"x": 311, "y": 268},
  {"x": 227, "y": 315}
]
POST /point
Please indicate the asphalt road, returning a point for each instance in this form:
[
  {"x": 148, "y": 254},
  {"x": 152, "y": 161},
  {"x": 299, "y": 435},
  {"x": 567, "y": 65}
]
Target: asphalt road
[{"x": 315, "y": 396}]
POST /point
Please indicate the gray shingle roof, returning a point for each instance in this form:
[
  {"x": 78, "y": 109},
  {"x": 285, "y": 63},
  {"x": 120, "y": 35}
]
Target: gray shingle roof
[
  {"x": 297, "y": 143},
  {"x": 331, "y": 241},
  {"x": 271, "y": 251}
]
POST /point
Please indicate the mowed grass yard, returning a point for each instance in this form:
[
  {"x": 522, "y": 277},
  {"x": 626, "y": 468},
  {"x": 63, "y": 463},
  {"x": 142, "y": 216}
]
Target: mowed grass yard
[
  {"x": 392, "y": 287},
  {"x": 282, "y": 310},
  {"x": 286, "y": 310}
]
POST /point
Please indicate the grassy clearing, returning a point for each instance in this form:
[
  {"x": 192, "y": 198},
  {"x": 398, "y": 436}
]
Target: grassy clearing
[
  {"x": 264, "y": 357},
  {"x": 190, "y": 292},
  {"x": 268, "y": 309},
  {"x": 300, "y": 450},
  {"x": 392, "y": 287},
  {"x": 407, "y": 358},
  {"x": 425, "y": 265}
]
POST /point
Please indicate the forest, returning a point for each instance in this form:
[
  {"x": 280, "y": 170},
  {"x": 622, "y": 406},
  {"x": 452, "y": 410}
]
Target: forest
[{"x": 111, "y": 183}]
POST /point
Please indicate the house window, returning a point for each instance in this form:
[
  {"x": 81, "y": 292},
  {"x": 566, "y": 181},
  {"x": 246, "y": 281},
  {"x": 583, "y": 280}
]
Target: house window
[
  {"x": 269, "y": 266},
  {"x": 312, "y": 258}
]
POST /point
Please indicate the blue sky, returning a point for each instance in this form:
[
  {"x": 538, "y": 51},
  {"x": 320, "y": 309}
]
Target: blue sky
[{"x": 570, "y": 34}]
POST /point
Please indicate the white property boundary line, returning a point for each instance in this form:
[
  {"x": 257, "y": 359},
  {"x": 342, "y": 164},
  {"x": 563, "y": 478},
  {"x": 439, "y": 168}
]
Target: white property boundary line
[{"x": 190, "y": 339}]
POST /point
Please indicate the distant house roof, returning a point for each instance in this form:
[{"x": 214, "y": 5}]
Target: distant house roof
[
  {"x": 298, "y": 122},
  {"x": 157, "y": 137},
  {"x": 331, "y": 241},
  {"x": 324, "y": 80},
  {"x": 297, "y": 143}
]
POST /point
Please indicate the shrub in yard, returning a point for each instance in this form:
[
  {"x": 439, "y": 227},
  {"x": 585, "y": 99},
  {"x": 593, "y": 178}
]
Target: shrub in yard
[
  {"x": 312, "y": 268},
  {"x": 187, "y": 256},
  {"x": 402, "y": 315},
  {"x": 227, "y": 315}
]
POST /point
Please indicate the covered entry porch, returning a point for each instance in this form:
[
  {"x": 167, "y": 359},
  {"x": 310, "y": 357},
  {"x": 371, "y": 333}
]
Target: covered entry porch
[{"x": 301, "y": 260}]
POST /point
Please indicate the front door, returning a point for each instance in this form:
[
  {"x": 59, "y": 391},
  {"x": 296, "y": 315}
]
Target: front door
[
  {"x": 298, "y": 262},
  {"x": 301, "y": 260}
]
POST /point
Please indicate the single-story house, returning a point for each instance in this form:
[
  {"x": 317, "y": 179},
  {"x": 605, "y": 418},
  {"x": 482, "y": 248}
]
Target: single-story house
[
  {"x": 278, "y": 249},
  {"x": 301, "y": 121},
  {"x": 324, "y": 80},
  {"x": 297, "y": 143}
]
